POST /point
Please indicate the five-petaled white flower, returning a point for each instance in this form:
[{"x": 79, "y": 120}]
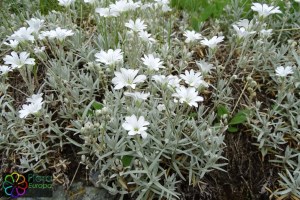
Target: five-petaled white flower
[
  {"x": 137, "y": 25},
  {"x": 242, "y": 31},
  {"x": 171, "y": 80},
  {"x": 193, "y": 79},
  {"x": 5, "y": 69},
  {"x": 127, "y": 77},
  {"x": 187, "y": 95},
  {"x": 264, "y": 10},
  {"x": 163, "y": 2},
  {"x": 110, "y": 57},
  {"x": 38, "y": 50},
  {"x": 58, "y": 33},
  {"x": 266, "y": 33},
  {"x": 248, "y": 25},
  {"x": 136, "y": 126},
  {"x": 35, "y": 24},
  {"x": 161, "y": 107},
  {"x": 137, "y": 95},
  {"x": 284, "y": 71},
  {"x": 23, "y": 34},
  {"x": 146, "y": 37},
  {"x": 106, "y": 12},
  {"x": 204, "y": 66},
  {"x": 166, "y": 8},
  {"x": 212, "y": 43},
  {"x": 89, "y": 1},
  {"x": 119, "y": 6},
  {"x": 152, "y": 63},
  {"x": 18, "y": 61},
  {"x": 124, "y": 5},
  {"x": 65, "y": 3},
  {"x": 12, "y": 43},
  {"x": 35, "y": 104},
  {"x": 146, "y": 6},
  {"x": 134, "y": 5},
  {"x": 191, "y": 36}
]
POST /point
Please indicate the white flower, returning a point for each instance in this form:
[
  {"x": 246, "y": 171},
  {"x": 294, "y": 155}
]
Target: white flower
[
  {"x": 35, "y": 24},
  {"x": 23, "y": 34},
  {"x": 65, "y": 3},
  {"x": 89, "y": 1},
  {"x": 212, "y": 43},
  {"x": 137, "y": 95},
  {"x": 173, "y": 81},
  {"x": 264, "y": 10},
  {"x": 146, "y": 6},
  {"x": 106, "y": 12},
  {"x": 35, "y": 98},
  {"x": 152, "y": 63},
  {"x": 17, "y": 61},
  {"x": 35, "y": 104},
  {"x": 134, "y": 5},
  {"x": 248, "y": 25},
  {"x": 242, "y": 31},
  {"x": 12, "y": 43},
  {"x": 146, "y": 37},
  {"x": 266, "y": 33},
  {"x": 166, "y": 8},
  {"x": 136, "y": 126},
  {"x": 162, "y": 2},
  {"x": 187, "y": 95},
  {"x": 170, "y": 81},
  {"x": 127, "y": 77},
  {"x": 58, "y": 33},
  {"x": 137, "y": 25},
  {"x": 283, "y": 72},
  {"x": 110, "y": 57},
  {"x": 61, "y": 34},
  {"x": 191, "y": 36},
  {"x": 38, "y": 50},
  {"x": 162, "y": 79},
  {"x": 204, "y": 66},
  {"x": 5, "y": 69},
  {"x": 123, "y": 6},
  {"x": 161, "y": 107},
  {"x": 193, "y": 79}
]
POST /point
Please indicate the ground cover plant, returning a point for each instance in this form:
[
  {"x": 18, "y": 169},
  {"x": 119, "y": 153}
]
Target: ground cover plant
[{"x": 153, "y": 99}]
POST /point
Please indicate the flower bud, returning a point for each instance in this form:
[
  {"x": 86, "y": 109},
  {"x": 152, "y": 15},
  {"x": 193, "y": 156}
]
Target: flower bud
[{"x": 83, "y": 158}]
